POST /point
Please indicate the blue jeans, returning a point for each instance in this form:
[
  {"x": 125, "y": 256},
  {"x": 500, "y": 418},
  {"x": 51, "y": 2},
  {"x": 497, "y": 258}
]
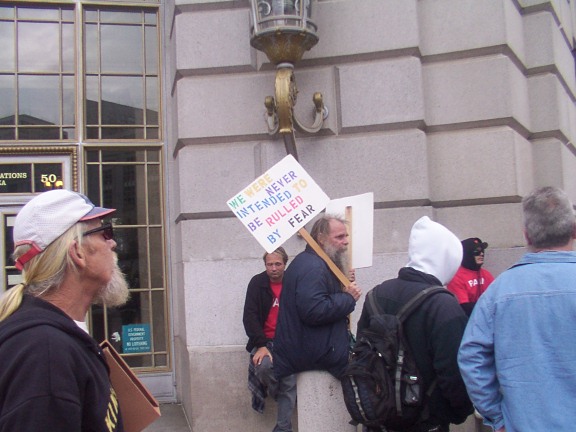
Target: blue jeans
[{"x": 283, "y": 391}]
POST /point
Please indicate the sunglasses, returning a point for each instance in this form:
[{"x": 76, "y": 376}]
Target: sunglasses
[
  {"x": 106, "y": 230},
  {"x": 478, "y": 252}
]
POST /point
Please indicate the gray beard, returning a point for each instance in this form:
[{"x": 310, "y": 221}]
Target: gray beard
[
  {"x": 116, "y": 292},
  {"x": 339, "y": 257}
]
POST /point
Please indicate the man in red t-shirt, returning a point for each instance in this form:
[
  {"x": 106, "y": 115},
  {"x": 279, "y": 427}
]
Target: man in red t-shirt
[
  {"x": 260, "y": 316},
  {"x": 471, "y": 280}
]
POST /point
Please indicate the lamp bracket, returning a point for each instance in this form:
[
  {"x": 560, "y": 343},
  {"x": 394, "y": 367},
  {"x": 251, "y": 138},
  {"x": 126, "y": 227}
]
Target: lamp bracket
[{"x": 280, "y": 115}]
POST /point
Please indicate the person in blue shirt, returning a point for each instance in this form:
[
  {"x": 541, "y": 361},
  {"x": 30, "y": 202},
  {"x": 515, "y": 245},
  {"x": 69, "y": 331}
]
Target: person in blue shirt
[{"x": 518, "y": 355}]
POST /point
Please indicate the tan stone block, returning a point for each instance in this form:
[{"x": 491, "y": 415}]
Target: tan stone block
[
  {"x": 379, "y": 93},
  {"x": 233, "y": 105},
  {"x": 448, "y": 26},
  {"x": 476, "y": 89},
  {"x": 498, "y": 224},
  {"x": 479, "y": 164},
  {"x": 213, "y": 39},
  {"x": 393, "y": 25},
  {"x": 546, "y": 46},
  {"x": 351, "y": 165}
]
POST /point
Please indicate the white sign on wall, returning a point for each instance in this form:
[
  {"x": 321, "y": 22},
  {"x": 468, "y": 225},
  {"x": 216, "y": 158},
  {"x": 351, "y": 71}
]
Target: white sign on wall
[
  {"x": 278, "y": 203},
  {"x": 359, "y": 211}
]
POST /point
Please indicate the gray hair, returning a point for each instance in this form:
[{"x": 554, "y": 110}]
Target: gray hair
[
  {"x": 322, "y": 225},
  {"x": 549, "y": 218}
]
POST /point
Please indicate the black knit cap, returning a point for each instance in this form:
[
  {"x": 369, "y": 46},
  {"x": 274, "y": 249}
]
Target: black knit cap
[{"x": 470, "y": 247}]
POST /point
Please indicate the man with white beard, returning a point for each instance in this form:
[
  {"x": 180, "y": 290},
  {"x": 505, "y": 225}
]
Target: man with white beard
[
  {"x": 312, "y": 328},
  {"x": 54, "y": 376}
]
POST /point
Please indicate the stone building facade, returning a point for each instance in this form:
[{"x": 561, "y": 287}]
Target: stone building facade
[{"x": 453, "y": 109}]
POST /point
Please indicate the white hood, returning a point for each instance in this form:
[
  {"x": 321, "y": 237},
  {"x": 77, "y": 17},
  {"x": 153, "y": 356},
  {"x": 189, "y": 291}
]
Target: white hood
[{"x": 434, "y": 249}]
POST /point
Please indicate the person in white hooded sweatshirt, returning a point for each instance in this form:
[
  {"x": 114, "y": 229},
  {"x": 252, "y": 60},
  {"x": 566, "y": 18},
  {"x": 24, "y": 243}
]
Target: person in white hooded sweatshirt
[{"x": 435, "y": 329}]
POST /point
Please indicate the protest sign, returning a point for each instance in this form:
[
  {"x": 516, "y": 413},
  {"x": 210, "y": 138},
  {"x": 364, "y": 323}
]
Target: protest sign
[{"x": 278, "y": 203}]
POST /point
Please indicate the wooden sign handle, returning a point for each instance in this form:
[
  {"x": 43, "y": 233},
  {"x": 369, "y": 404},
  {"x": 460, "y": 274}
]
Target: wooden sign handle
[{"x": 314, "y": 245}]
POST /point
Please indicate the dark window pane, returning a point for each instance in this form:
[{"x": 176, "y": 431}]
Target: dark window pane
[
  {"x": 132, "y": 253},
  {"x": 92, "y": 156},
  {"x": 119, "y": 184},
  {"x": 122, "y": 133},
  {"x": 128, "y": 155},
  {"x": 38, "y": 133},
  {"x": 156, "y": 260},
  {"x": 152, "y": 133},
  {"x": 93, "y": 183},
  {"x": 92, "y": 133},
  {"x": 7, "y": 134},
  {"x": 154, "y": 195},
  {"x": 158, "y": 312},
  {"x": 153, "y": 155}
]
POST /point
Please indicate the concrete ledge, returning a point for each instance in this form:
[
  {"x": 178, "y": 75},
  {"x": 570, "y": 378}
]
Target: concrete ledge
[{"x": 320, "y": 404}]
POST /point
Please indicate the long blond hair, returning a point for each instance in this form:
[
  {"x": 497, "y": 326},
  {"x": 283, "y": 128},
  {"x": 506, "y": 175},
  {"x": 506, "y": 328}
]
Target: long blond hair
[{"x": 42, "y": 273}]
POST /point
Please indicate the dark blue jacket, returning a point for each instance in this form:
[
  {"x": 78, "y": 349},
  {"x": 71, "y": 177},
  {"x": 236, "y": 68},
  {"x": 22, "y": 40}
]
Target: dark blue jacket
[
  {"x": 53, "y": 375},
  {"x": 312, "y": 329}
]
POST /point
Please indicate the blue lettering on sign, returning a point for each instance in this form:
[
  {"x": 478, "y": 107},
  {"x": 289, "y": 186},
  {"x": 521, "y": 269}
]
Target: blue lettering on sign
[{"x": 136, "y": 338}]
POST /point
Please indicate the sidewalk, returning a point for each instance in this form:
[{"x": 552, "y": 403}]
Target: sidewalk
[{"x": 172, "y": 419}]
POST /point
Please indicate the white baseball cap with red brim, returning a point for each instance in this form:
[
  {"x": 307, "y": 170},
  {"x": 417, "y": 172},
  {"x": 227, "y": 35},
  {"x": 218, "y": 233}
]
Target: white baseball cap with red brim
[{"x": 49, "y": 215}]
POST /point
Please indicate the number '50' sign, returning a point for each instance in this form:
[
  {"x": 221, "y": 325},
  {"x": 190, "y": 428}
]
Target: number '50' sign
[{"x": 48, "y": 178}]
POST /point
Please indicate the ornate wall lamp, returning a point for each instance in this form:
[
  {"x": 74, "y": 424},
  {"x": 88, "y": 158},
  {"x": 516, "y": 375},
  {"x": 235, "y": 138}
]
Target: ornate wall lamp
[{"x": 283, "y": 30}]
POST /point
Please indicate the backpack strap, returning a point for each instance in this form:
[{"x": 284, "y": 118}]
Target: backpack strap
[
  {"x": 404, "y": 312},
  {"x": 412, "y": 304},
  {"x": 373, "y": 307}
]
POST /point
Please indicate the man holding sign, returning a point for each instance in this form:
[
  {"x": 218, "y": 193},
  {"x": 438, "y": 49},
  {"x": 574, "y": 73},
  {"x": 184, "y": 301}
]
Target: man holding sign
[{"x": 312, "y": 328}]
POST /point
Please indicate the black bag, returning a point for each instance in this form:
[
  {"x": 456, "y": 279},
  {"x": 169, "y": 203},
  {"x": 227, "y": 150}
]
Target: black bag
[{"x": 381, "y": 385}]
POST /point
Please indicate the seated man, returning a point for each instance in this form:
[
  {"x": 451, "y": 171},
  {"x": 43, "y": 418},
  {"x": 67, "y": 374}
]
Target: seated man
[
  {"x": 260, "y": 316},
  {"x": 312, "y": 331}
]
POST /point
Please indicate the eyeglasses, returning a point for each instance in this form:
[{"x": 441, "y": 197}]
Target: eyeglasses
[{"x": 106, "y": 230}]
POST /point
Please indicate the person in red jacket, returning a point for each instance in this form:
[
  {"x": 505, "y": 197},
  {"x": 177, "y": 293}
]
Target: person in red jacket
[{"x": 471, "y": 280}]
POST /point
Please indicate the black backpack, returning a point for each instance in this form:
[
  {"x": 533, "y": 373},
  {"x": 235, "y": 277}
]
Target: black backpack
[{"x": 381, "y": 385}]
